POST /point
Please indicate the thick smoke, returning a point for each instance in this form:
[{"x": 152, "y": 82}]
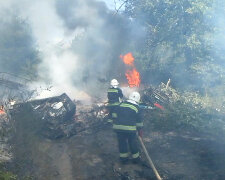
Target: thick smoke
[{"x": 79, "y": 43}]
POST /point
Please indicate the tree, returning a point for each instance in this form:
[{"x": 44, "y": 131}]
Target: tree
[
  {"x": 17, "y": 51},
  {"x": 179, "y": 37}
]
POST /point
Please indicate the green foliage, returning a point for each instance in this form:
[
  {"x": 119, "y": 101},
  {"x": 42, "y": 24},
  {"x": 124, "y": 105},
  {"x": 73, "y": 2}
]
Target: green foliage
[
  {"x": 188, "y": 109},
  {"x": 180, "y": 39},
  {"x": 184, "y": 42},
  {"x": 7, "y": 175},
  {"x": 213, "y": 76}
]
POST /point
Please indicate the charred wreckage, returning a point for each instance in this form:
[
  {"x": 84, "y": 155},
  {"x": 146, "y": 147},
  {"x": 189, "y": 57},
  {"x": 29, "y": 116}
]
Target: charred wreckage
[{"x": 59, "y": 117}]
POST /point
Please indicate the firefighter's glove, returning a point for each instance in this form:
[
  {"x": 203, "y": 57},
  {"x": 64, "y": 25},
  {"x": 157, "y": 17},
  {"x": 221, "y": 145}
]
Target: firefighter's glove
[{"x": 140, "y": 133}]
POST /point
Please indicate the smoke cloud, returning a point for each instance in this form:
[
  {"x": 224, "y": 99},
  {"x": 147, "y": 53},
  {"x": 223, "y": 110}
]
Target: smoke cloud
[{"x": 78, "y": 43}]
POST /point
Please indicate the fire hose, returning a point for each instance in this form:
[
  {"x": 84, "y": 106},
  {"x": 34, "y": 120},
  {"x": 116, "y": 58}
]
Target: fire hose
[{"x": 149, "y": 158}]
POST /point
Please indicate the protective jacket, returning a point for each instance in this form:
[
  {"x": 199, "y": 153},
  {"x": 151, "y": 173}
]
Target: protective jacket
[
  {"x": 113, "y": 100},
  {"x": 128, "y": 117},
  {"x": 114, "y": 94}
]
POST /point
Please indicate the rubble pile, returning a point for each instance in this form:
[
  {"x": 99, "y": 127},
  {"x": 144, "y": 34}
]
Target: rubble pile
[
  {"x": 90, "y": 117},
  {"x": 54, "y": 115},
  {"x": 59, "y": 116},
  {"x": 161, "y": 94},
  {"x": 5, "y": 135},
  {"x": 184, "y": 109}
]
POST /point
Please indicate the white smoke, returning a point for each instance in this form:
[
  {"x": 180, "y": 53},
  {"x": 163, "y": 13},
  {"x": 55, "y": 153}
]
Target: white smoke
[
  {"x": 59, "y": 62},
  {"x": 69, "y": 63},
  {"x": 49, "y": 33}
]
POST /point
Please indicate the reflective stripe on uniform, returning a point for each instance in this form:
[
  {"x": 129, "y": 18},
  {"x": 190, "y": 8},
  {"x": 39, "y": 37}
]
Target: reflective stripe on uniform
[
  {"x": 113, "y": 90},
  {"x": 114, "y": 104},
  {"x": 124, "y": 155},
  {"x": 139, "y": 124},
  {"x": 110, "y": 120},
  {"x": 129, "y": 106},
  {"x": 135, "y": 155},
  {"x": 122, "y": 127},
  {"x": 114, "y": 115}
]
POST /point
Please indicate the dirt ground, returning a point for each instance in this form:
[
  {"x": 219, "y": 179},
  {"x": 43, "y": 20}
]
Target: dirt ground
[
  {"x": 188, "y": 155},
  {"x": 180, "y": 155}
]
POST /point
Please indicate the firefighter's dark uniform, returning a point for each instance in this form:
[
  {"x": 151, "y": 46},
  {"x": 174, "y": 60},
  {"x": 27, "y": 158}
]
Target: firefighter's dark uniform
[
  {"x": 113, "y": 95},
  {"x": 126, "y": 124}
]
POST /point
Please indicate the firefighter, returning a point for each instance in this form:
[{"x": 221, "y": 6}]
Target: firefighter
[
  {"x": 114, "y": 95},
  {"x": 126, "y": 125}
]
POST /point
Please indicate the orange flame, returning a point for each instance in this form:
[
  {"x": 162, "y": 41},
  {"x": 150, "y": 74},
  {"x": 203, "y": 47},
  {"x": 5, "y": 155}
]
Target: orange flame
[
  {"x": 2, "y": 111},
  {"x": 128, "y": 59},
  {"x": 132, "y": 74},
  {"x": 133, "y": 77}
]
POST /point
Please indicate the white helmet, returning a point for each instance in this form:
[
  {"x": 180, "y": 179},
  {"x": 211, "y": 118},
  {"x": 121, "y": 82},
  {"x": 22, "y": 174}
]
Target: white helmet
[
  {"x": 114, "y": 83},
  {"x": 135, "y": 96}
]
